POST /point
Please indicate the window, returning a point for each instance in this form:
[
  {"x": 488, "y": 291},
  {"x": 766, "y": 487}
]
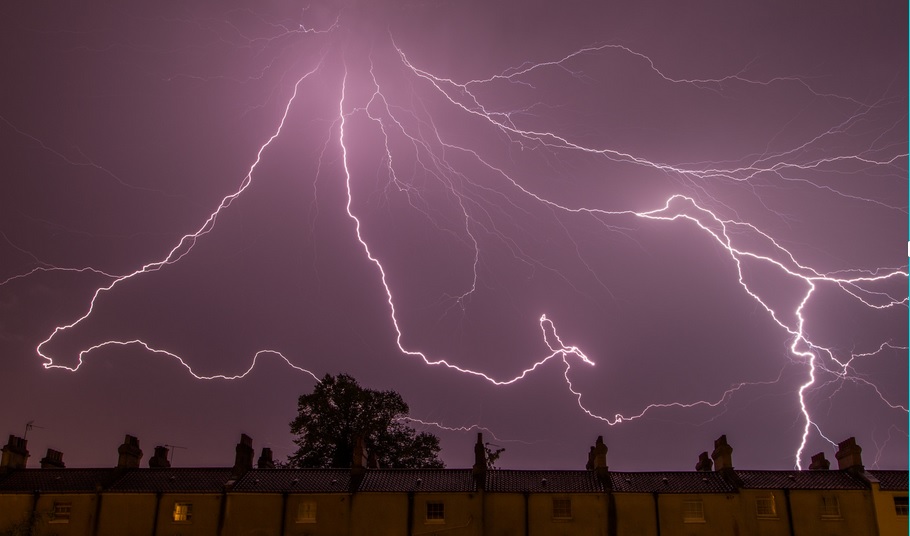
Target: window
[
  {"x": 61, "y": 513},
  {"x": 436, "y": 512},
  {"x": 693, "y": 511},
  {"x": 830, "y": 507},
  {"x": 306, "y": 512},
  {"x": 764, "y": 506},
  {"x": 900, "y": 506},
  {"x": 183, "y": 512},
  {"x": 562, "y": 508}
]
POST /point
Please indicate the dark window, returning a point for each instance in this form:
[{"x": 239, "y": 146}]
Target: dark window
[{"x": 436, "y": 512}]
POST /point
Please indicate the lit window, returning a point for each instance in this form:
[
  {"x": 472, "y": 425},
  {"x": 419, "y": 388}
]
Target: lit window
[
  {"x": 436, "y": 512},
  {"x": 306, "y": 512},
  {"x": 900, "y": 506},
  {"x": 830, "y": 507},
  {"x": 61, "y": 513},
  {"x": 562, "y": 508},
  {"x": 693, "y": 511},
  {"x": 183, "y": 512},
  {"x": 764, "y": 506}
]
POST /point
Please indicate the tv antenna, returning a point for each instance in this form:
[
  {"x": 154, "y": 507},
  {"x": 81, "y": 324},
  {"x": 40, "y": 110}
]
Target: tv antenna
[
  {"x": 29, "y": 426},
  {"x": 172, "y": 448}
]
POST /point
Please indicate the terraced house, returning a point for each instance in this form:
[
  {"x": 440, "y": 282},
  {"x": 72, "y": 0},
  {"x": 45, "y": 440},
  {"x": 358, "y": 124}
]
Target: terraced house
[{"x": 242, "y": 500}]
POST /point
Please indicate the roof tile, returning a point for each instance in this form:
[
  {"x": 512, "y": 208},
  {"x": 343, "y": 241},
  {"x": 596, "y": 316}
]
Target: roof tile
[
  {"x": 507, "y": 480},
  {"x": 173, "y": 480},
  {"x": 429, "y": 480},
  {"x": 670, "y": 482},
  {"x": 891, "y": 480},
  {"x": 56, "y": 480},
  {"x": 294, "y": 481},
  {"x": 800, "y": 480}
]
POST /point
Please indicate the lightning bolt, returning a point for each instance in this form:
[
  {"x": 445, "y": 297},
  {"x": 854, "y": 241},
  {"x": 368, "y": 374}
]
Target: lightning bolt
[{"x": 435, "y": 155}]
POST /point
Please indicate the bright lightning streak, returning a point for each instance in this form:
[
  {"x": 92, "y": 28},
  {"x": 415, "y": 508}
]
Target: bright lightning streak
[{"x": 743, "y": 242}]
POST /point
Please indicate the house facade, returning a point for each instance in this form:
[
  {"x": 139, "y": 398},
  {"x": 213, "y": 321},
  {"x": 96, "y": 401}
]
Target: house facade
[{"x": 715, "y": 499}]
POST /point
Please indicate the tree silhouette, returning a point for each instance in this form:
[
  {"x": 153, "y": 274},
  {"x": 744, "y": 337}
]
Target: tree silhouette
[{"x": 339, "y": 411}]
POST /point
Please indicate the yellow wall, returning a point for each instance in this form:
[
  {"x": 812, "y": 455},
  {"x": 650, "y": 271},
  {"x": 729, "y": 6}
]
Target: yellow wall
[
  {"x": 462, "y": 514},
  {"x": 15, "y": 509},
  {"x": 635, "y": 514},
  {"x": 248, "y": 514},
  {"x": 206, "y": 508},
  {"x": 82, "y": 514},
  {"x": 589, "y": 514},
  {"x": 504, "y": 514},
  {"x": 333, "y": 516},
  {"x": 378, "y": 514},
  {"x": 126, "y": 514},
  {"x": 889, "y": 523},
  {"x": 721, "y": 514},
  {"x": 752, "y": 523},
  {"x": 856, "y": 513}
]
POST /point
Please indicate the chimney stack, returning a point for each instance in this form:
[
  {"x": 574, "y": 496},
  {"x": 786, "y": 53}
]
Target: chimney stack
[
  {"x": 358, "y": 469},
  {"x": 243, "y": 460},
  {"x": 849, "y": 455},
  {"x": 52, "y": 460},
  {"x": 265, "y": 459},
  {"x": 14, "y": 453},
  {"x": 704, "y": 463},
  {"x": 600, "y": 462},
  {"x": 479, "y": 471},
  {"x": 723, "y": 454},
  {"x": 590, "y": 465},
  {"x": 159, "y": 460},
  {"x": 819, "y": 463},
  {"x": 129, "y": 453}
]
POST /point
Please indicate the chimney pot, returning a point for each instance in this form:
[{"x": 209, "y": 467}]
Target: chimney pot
[
  {"x": 129, "y": 453},
  {"x": 159, "y": 460},
  {"x": 704, "y": 462},
  {"x": 723, "y": 454},
  {"x": 819, "y": 463},
  {"x": 52, "y": 460},
  {"x": 265, "y": 459},
  {"x": 243, "y": 458},
  {"x": 14, "y": 453},
  {"x": 849, "y": 455}
]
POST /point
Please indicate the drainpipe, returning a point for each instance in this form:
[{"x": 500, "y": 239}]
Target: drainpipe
[
  {"x": 656, "y": 511},
  {"x": 157, "y": 510},
  {"x": 222, "y": 507},
  {"x": 410, "y": 524},
  {"x": 284, "y": 513},
  {"x": 527, "y": 514},
  {"x": 612, "y": 526},
  {"x": 33, "y": 518},
  {"x": 97, "y": 521},
  {"x": 789, "y": 511}
]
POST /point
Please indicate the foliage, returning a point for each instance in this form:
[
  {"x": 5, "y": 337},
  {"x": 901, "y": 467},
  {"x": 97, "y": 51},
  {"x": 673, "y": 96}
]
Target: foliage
[
  {"x": 492, "y": 453},
  {"x": 338, "y": 411}
]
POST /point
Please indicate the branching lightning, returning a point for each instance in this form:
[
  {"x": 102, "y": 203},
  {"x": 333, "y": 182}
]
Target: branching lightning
[{"x": 695, "y": 206}]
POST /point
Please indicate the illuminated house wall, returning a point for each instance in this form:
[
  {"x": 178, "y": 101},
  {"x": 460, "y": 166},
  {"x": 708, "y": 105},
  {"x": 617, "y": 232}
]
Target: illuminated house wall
[{"x": 716, "y": 499}]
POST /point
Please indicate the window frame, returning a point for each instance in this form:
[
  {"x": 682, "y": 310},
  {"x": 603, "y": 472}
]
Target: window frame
[
  {"x": 306, "y": 512},
  {"x": 766, "y": 507},
  {"x": 562, "y": 508},
  {"x": 830, "y": 507},
  {"x": 693, "y": 511},
  {"x": 62, "y": 512},
  {"x": 901, "y": 507},
  {"x": 182, "y": 512},
  {"x": 435, "y": 512}
]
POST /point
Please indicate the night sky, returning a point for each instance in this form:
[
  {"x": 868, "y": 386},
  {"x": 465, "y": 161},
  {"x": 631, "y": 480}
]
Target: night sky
[{"x": 688, "y": 218}]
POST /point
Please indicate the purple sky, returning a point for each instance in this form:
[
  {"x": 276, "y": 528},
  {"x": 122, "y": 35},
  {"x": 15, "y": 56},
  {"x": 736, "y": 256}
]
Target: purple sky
[{"x": 706, "y": 201}]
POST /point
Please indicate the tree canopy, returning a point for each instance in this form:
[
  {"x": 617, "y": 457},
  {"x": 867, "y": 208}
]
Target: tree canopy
[{"x": 338, "y": 411}]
